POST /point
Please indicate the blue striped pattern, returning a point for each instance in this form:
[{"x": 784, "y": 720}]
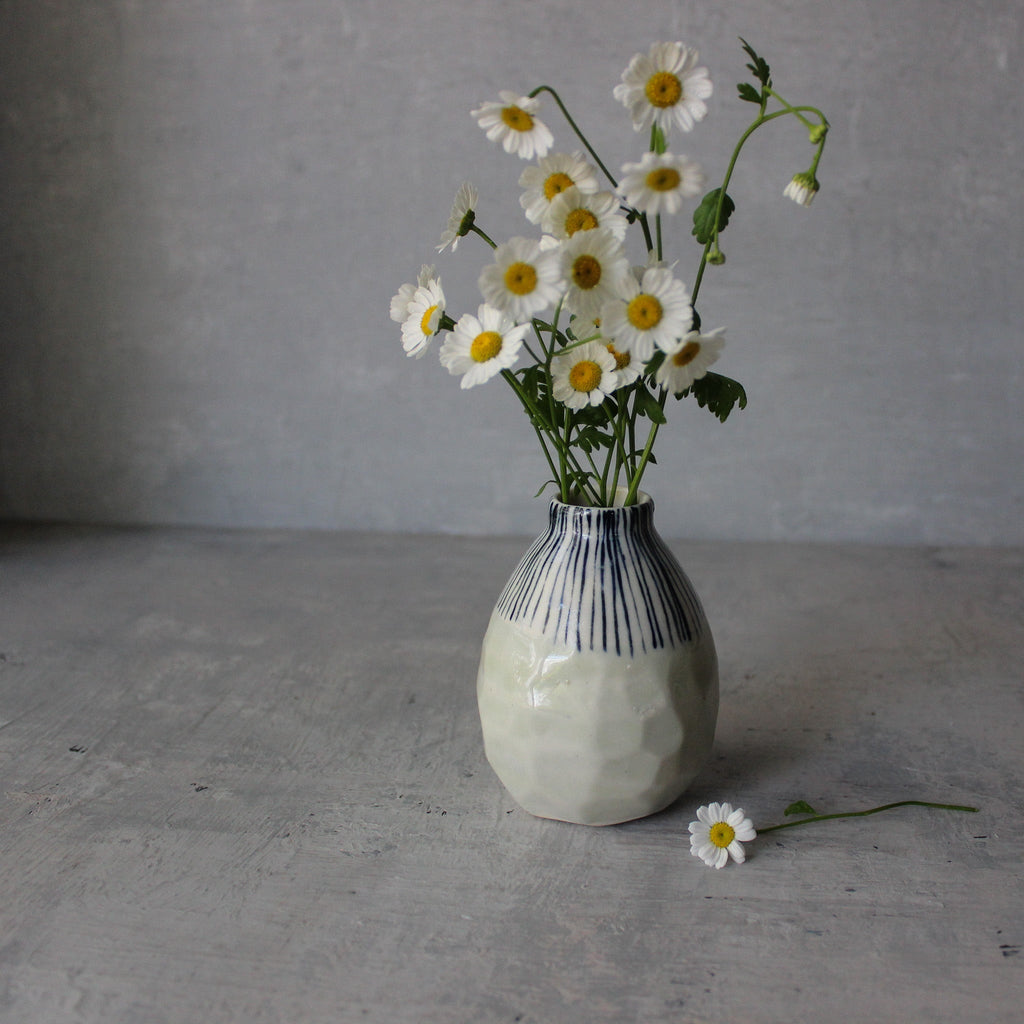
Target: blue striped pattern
[{"x": 603, "y": 580}]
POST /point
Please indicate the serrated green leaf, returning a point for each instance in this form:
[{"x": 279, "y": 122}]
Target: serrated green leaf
[
  {"x": 749, "y": 93},
  {"x": 647, "y": 405},
  {"x": 704, "y": 216},
  {"x": 800, "y": 807},
  {"x": 760, "y": 68},
  {"x": 718, "y": 394}
]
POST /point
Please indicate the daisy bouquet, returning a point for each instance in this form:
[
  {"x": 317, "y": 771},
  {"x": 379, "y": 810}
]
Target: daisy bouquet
[{"x": 592, "y": 346}]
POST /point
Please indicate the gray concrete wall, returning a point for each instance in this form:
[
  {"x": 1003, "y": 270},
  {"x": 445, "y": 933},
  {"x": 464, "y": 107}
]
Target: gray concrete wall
[{"x": 206, "y": 207}]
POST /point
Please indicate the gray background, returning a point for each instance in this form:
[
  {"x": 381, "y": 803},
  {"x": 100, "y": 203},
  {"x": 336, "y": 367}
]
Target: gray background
[{"x": 207, "y": 206}]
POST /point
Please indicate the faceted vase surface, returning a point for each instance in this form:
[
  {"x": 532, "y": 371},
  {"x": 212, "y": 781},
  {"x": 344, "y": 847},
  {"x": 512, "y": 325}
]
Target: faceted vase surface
[{"x": 598, "y": 680}]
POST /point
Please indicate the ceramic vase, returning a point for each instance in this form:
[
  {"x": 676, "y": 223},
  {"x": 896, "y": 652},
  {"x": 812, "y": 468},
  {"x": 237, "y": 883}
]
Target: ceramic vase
[{"x": 598, "y": 680}]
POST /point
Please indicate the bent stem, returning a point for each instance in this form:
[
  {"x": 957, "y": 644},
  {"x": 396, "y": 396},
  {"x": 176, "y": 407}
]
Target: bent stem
[
  {"x": 863, "y": 814},
  {"x": 576, "y": 129}
]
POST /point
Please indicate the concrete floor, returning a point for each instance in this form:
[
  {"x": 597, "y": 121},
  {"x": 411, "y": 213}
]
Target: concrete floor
[{"x": 241, "y": 779}]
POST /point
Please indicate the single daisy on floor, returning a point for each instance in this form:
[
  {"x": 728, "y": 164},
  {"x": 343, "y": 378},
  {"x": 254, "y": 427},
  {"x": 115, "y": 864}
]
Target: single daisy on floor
[
  {"x": 460, "y": 220},
  {"x": 400, "y": 301},
  {"x": 482, "y": 346},
  {"x": 660, "y": 182},
  {"x": 690, "y": 361},
  {"x": 595, "y": 269},
  {"x": 523, "y": 279},
  {"x": 551, "y": 176},
  {"x": 719, "y": 833},
  {"x": 513, "y": 123},
  {"x": 423, "y": 317},
  {"x": 572, "y": 211},
  {"x": 664, "y": 87},
  {"x": 584, "y": 375},
  {"x": 652, "y": 312}
]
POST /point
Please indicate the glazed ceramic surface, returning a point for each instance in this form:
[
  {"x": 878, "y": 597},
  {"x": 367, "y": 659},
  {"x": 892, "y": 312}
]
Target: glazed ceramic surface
[{"x": 598, "y": 680}]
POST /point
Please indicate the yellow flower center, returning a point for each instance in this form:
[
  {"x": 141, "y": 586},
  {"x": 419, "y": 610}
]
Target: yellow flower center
[
  {"x": 585, "y": 375},
  {"x": 721, "y": 834},
  {"x": 663, "y": 179},
  {"x": 644, "y": 312},
  {"x": 663, "y": 89},
  {"x": 622, "y": 359},
  {"x": 586, "y": 272},
  {"x": 517, "y": 119},
  {"x": 579, "y": 220},
  {"x": 425, "y": 320},
  {"x": 686, "y": 354},
  {"x": 485, "y": 346},
  {"x": 555, "y": 183},
  {"x": 520, "y": 278}
]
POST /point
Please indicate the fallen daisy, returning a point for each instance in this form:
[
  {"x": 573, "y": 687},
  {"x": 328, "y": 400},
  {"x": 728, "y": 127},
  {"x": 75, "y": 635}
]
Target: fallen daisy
[{"x": 719, "y": 833}]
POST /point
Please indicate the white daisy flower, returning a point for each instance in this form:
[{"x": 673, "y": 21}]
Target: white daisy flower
[
  {"x": 423, "y": 318},
  {"x": 652, "y": 312},
  {"x": 718, "y": 834},
  {"x": 523, "y": 279},
  {"x": 802, "y": 189},
  {"x": 665, "y": 87},
  {"x": 691, "y": 360},
  {"x": 513, "y": 122},
  {"x": 627, "y": 367},
  {"x": 660, "y": 182},
  {"x": 572, "y": 210},
  {"x": 551, "y": 176},
  {"x": 595, "y": 268},
  {"x": 584, "y": 375},
  {"x": 483, "y": 345},
  {"x": 400, "y": 302},
  {"x": 464, "y": 205}
]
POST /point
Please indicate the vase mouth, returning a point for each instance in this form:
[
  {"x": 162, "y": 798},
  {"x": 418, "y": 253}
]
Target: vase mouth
[{"x": 642, "y": 499}]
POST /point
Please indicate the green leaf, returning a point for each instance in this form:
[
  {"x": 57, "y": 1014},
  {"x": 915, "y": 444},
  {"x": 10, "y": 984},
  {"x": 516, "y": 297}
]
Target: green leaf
[
  {"x": 704, "y": 216},
  {"x": 647, "y": 405},
  {"x": 718, "y": 394},
  {"x": 543, "y": 486},
  {"x": 760, "y": 68},
  {"x": 658, "y": 141},
  {"x": 749, "y": 93},
  {"x": 800, "y": 807}
]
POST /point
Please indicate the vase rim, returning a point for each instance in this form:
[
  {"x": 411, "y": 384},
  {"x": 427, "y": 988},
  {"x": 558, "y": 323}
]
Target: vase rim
[{"x": 642, "y": 499}]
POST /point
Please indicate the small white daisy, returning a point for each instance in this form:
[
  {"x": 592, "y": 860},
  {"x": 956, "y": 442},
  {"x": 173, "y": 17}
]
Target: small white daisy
[
  {"x": 718, "y": 834},
  {"x": 584, "y": 375},
  {"x": 660, "y": 182},
  {"x": 483, "y": 345},
  {"x": 465, "y": 204},
  {"x": 665, "y": 87},
  {"x": 652, "y": 312},
  {"x": 595, "y": 268},
  {"x": 802, "y": 189},
  {"x": 423, "y": 318},
  {"x": 400, "y": 302},
  {"x": 572, "y": 210},
  {"x": 523, "y": 279},
  {"x": 514, "y": 123},
  {"x": 551, "y": 176},
  {"x": 690, "y": 361}
]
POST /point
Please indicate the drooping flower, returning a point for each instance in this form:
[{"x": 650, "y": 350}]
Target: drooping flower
[
  {"x": 660, "y": 182},
  {"x": 572, "y": 211},
  {"x": 423, "y": 317},
  {"x": 513, "y": 123},
  {"x": 653, "y": 311},
  {"x": 719, "y": 833},
  {"x": 665, "y": 87},
  {"x": 802, "y": 189},
  {"x": 400, "y": 301},
  {"x": 690, "y": 361},
  {"x": 460, "y": 219},
  {"x": 482, "y": 346},
  {"x": 595, "y": 268},
  {"x": 551, "y": 176},
  {"x": 523, "y": 279},
  {"x": 584, "y": 375}
]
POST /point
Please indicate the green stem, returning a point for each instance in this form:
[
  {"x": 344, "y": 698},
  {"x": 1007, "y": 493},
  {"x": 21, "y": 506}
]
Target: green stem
[
  {"x": 862, "y": 814},
  {"x": 484, "y": 236},
  {"x": 634, "y": 483},
  {"x": 575, "y": 128}
]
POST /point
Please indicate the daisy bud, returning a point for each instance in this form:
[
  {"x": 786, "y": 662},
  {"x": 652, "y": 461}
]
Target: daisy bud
[{"x": 802, "y": 189}]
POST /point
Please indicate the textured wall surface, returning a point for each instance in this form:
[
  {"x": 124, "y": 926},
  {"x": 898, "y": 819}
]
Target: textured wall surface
[{"x": 206, "y": 208}]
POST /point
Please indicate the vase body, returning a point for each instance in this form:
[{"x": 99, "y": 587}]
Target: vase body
[{"x": 598, "y": 680}]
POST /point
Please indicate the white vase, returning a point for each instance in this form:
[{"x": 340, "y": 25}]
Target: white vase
[{"x": 598, "y": 680}]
